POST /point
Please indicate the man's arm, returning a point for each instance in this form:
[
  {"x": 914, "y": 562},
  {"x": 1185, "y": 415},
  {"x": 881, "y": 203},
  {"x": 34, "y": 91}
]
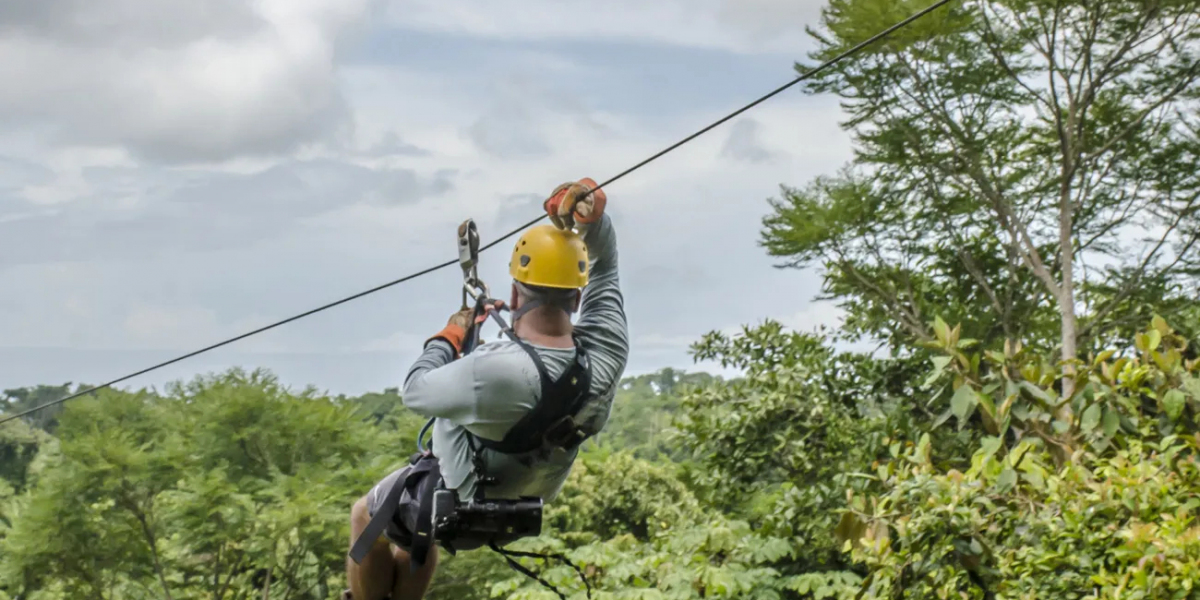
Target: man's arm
[
  {"x": 437, "y": 385},
  {"x": 602, "y": 329}
]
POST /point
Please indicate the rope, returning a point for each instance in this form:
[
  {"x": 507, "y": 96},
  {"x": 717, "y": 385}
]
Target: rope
[
  {"x": 808, "y": 75},
  {"x": 516, "y": 566}
]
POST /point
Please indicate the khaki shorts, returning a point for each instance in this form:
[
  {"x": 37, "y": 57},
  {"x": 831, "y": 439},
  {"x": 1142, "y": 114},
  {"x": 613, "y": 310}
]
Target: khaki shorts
[{"x": 399, "y": 529}]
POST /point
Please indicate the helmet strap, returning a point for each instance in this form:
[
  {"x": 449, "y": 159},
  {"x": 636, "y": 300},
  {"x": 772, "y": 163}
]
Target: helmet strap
[{"x": 524, "y": 308}]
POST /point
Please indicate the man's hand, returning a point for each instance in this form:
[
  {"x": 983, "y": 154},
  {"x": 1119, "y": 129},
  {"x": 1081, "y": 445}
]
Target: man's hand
[
  {"x": 575, "y": 202},
  {"x": 462, "y": 319},
  {"x": 455, "y": 331},
  {"x": 461, "y": 323}
]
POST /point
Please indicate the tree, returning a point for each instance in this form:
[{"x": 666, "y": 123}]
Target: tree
[
  {"x": 227, "y": 486},
  {"x": 1017, "y": 163},
  {"x": 22, "y": 399}
]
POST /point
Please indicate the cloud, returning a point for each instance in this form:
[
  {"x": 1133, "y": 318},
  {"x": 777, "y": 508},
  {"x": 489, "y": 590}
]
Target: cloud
[
  {"x": 392, "y": 145},
  {"x": 744, "y": 144},
  {"x": 130, "y": 211},
  {"x": 770, "y": 19},
  {"x": 763, "y": 25},
  {"x": 177, "y": 81},
  {"x": 526, "y": 115}
]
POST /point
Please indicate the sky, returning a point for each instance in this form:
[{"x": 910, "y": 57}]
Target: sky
[{"x": 172, "y": 174}]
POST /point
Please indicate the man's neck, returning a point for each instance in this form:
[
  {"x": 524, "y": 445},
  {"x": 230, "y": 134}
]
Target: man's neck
[{"x": 545, "y": 326}]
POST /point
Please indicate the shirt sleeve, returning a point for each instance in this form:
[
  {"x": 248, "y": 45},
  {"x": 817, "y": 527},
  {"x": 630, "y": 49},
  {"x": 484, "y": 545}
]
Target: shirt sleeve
[
  {"x": 601, "y": 328},
  {"x": 439, "y": 386}
]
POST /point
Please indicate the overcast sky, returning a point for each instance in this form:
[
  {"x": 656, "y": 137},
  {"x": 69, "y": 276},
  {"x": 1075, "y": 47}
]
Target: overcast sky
[{"x": 173, "y": 173}]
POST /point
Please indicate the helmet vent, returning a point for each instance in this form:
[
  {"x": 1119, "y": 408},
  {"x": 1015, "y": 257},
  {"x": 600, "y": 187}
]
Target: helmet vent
[
  {"x": 582, "y": 266},
  {"x": 524, "y": 260}
]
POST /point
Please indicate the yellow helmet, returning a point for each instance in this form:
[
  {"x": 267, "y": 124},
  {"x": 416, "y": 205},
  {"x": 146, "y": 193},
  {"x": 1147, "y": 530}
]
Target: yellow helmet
[{"x": 550, "y": 257}]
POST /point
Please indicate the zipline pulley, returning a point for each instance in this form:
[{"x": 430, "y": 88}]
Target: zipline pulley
[{"x": 468, "y": 259}]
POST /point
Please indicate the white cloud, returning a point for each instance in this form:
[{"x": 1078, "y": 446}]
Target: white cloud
[
  {"x": 177, "y": 81},
  {"x": 761, "y": 25},
  {"x": 744, "y": 144}
]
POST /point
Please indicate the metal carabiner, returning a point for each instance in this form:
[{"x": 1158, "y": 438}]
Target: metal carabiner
[{"x": 468, "y": 259}]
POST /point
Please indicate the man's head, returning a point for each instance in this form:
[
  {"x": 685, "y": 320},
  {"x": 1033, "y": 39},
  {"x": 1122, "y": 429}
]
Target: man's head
[{"x": 549, "y": 265}]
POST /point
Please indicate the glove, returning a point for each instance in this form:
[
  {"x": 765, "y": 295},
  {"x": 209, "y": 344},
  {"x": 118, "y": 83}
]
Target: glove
[
  {"x": 455, "y": 330},
  {"x": 574, "y": 202},
  {"x": 461, "y": 324}
]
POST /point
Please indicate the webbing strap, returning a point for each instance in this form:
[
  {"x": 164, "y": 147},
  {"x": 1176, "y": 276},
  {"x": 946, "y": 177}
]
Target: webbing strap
[
  {"x": 422, "y": 539},
  {"x": 558, "y": 403},
  {"x": 520, "y": 312},
  {"x": 378, "y": 522},
  {"x": 387, "y": 511}
]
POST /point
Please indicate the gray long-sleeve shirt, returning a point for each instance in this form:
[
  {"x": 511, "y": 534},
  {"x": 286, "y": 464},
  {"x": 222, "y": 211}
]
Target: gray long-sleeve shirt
[{"x": 487, "y": 391}]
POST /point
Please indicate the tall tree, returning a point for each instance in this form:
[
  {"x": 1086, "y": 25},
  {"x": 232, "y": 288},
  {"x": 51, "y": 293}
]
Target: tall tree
[
  {"x": 1024, "y": 167},
  {"x": 22, "y": 399}
]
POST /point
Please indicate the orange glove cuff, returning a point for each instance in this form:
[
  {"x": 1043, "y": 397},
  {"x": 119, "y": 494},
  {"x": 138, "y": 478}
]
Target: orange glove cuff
[{"x": 454, "y": 334}]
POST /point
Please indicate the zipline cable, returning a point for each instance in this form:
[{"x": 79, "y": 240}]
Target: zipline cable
[{"x": 822, "y": 67}]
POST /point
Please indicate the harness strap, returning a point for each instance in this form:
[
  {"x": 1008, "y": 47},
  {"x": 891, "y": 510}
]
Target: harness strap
[
  {"x": 422, "y": 540},
  {"x": 387, "y": 511},
  {"x": 552, "y": 418}
]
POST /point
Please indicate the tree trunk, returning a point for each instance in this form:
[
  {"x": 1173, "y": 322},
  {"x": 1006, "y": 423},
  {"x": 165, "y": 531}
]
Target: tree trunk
[
  {"x": 153, "y": 542},
  {"x": 1067, "y": 305},
  {"x": 267, "y": 585}
]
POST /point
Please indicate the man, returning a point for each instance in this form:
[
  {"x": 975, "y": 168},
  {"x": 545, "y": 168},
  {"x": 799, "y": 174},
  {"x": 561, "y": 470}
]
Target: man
[{"x": 556, "y": 272}]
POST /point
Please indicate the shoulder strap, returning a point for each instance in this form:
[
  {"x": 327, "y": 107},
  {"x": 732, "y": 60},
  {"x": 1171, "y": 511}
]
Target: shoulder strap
[{"x": 551, "y": 421}]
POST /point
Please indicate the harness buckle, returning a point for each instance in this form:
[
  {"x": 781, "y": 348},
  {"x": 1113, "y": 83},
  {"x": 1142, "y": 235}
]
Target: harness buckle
[{"x": 564, "y": 433}]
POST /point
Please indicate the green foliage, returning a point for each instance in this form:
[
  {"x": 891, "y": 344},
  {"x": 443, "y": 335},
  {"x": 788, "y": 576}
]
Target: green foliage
[
  {"x": 610, "y": 495},
  {"x": 802, "y": 414},
  {"x": 213, "y": 489},
  {"x": 1013, "y": 159},
  {"x": 646, "y": 406},
  {"x": 1115, "y": 518},
  {"x": 19, "y": 447},
  {"x": 19, "y": 400},
  {"x": 1120, "y": 526},
  {"x": 1015, "y": 394}
]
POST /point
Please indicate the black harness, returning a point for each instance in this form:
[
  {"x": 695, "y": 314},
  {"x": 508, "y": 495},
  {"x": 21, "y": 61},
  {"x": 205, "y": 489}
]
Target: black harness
[{"x": 550, "y": 424}]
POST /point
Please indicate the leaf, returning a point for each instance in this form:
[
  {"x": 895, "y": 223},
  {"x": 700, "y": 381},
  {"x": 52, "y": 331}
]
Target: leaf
[
  {"x": 1090, "y": 418},
  {"x": 923, "y": 448},
  {"x": 1103, "y": 357},
  {"x": 939, "y": 366},
  {"x": 1007, "y": 479},
  {"x": 942, "y": 418},
  {"x": 985, "y": 402},
  {"x": 1153, "y": 339},
  {"x": 1192, "y": 386},
  {"x": 1037, "y": 392},
  {"x": 850, "y": 528},
  {"x": 1173, "y": 402},
  {"x": 942, "y": 330},
  {"x": 1160, "y": 325},
  {"x": 963, "y": 402},
  {"x": 1111, "y": 422}
]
